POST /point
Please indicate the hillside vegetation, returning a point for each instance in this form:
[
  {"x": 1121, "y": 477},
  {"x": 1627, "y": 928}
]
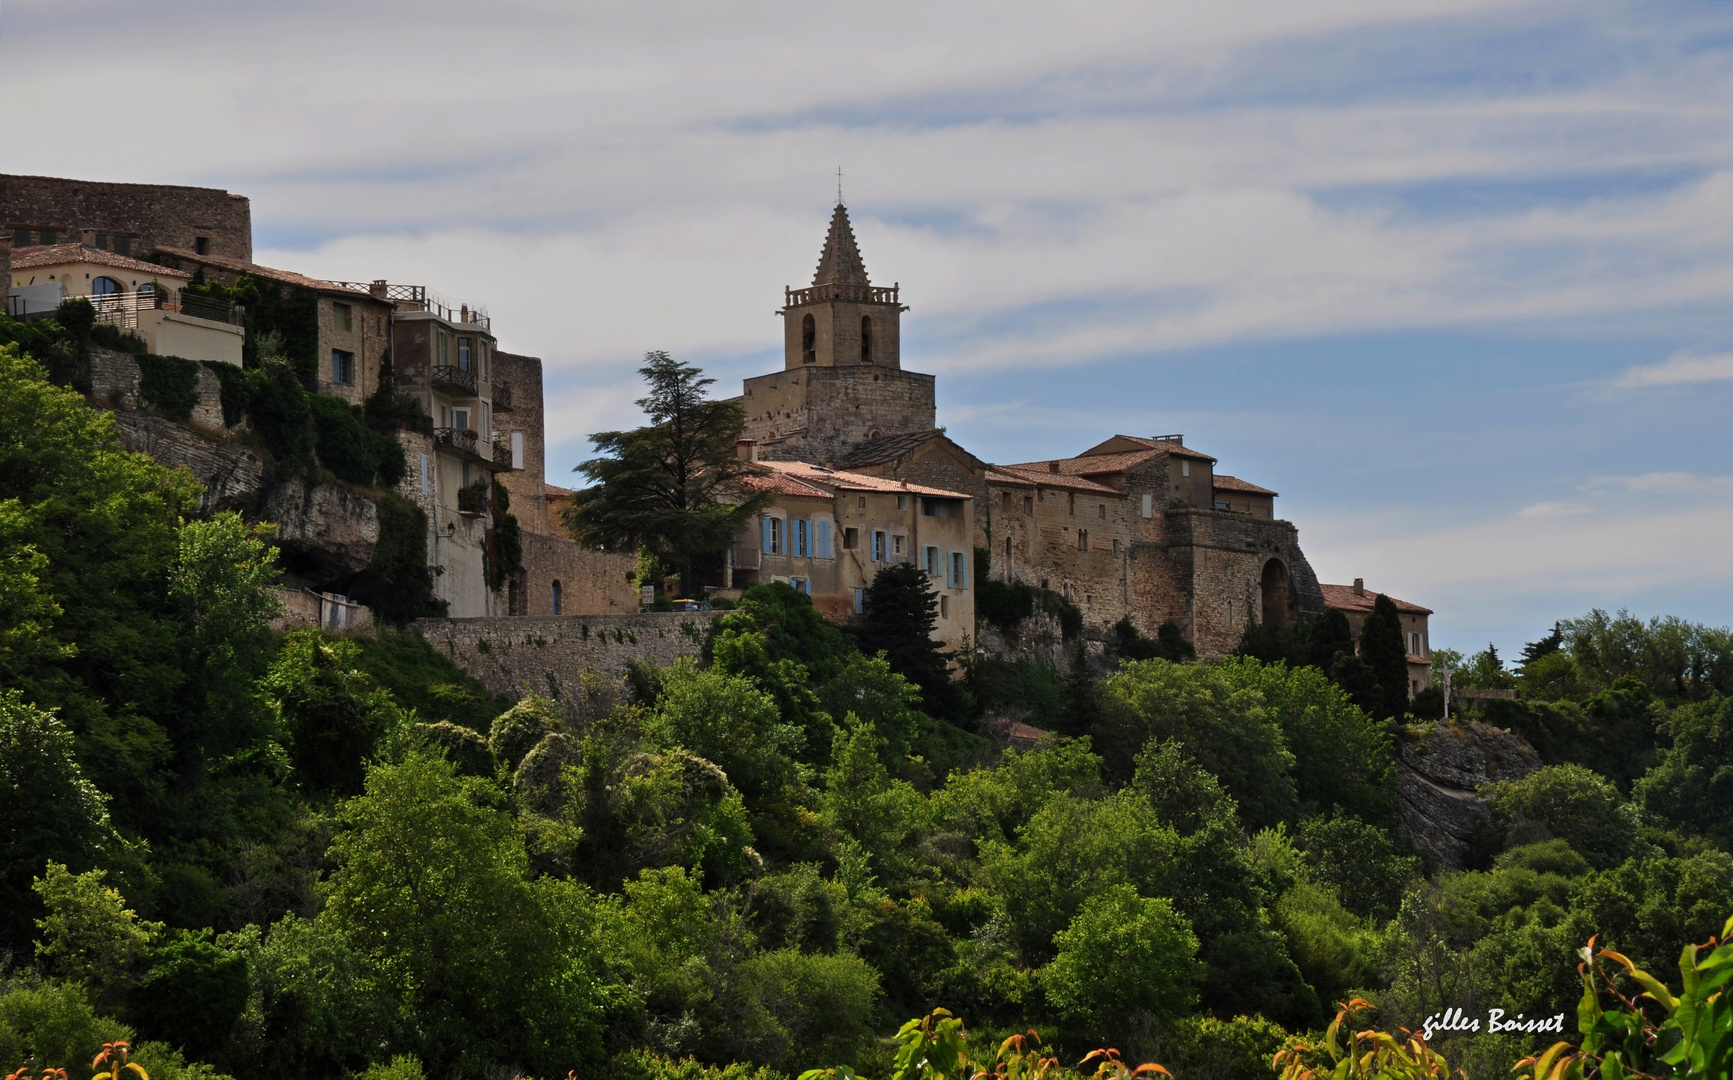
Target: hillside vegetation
[{"x": 253, "y": 853}]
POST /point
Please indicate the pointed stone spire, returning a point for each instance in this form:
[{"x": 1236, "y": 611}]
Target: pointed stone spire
[{"x": 841, "y": 262}]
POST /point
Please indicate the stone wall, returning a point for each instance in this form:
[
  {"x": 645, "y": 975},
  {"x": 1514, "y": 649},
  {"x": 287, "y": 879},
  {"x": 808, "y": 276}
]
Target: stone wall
[
  {"x": 591, "y": 582},
  {"x": 818, "y": 413},
  {"x": 1214, "y": 561},
  {"x": 527, "y": 486},
  {"x": 547, "y": 655},
  {"x": 152, "y": 215}
]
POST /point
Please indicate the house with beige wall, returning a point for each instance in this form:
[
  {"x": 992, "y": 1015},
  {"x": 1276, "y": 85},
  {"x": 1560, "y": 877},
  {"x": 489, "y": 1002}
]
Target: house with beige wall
[
  {"x": 830, "y": 532},
  {"x": 130, "y": 293},
  {"x": 1355, "y": 601}
]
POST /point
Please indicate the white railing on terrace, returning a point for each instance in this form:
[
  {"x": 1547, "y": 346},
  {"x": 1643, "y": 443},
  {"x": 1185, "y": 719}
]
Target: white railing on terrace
[
  {"x": 418, "y": 298},
  {"x": 121, "y": 309}
]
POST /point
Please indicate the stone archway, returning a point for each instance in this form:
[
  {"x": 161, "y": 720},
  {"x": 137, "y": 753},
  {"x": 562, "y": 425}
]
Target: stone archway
[{"x": 1275, "y": 585}]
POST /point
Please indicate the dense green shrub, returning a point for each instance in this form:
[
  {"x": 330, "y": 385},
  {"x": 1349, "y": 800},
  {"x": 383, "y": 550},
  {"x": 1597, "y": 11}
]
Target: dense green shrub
[
  {"x": 352, "y": 450},
  {"x": 170, "y": 383},
  {"x": 398, "y": 583},
  {"x": 191, "y": 994},
  {"x": 46, "y": 1025},
  {"x": 422, "y": 678}
]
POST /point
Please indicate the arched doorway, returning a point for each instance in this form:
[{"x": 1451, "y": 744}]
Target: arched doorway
[{"x": 1275, "y": 594}]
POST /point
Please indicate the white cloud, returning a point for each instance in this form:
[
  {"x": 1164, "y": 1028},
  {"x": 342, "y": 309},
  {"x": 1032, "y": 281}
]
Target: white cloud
[{"x": 1678, "y": 370}]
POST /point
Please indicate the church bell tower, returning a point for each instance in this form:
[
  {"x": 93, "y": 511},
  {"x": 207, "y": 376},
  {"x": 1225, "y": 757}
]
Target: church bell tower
[{"x": 843, "y": 320}]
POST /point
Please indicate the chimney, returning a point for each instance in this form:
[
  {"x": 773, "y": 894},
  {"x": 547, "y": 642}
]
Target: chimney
[
  {"x": 377, "y": 289},
  {"x": 746, "y": 449},
  {"x": 1359, "y": 586},
  {"x": 465, "y": 314},
  {"x": 1052, "y": 466}
]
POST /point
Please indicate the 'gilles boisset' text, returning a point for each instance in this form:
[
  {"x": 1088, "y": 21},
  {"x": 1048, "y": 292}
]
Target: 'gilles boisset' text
[{"x": 1455, "y": 1020}]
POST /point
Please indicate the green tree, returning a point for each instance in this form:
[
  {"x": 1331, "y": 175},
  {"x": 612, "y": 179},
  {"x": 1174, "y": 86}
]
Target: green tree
[
  {"x": 431, "y": 888},
  {"x": 1123, "y": 956},
  {"x": 1226, "y": 726},
  {"x": 1327, "y": 637},
  {"x": 673, "y": 486},
  {"x": 1692, "y": 784},
  {"x": 88, "y": 934},
  {"x": 332, "y": 712},
  {"x": 1383, "y": 650},
  {"x": 1572, "y": 803},
  {"x": 901, "y": 612},
  {"x": 190, "y": 994},
  {"x": 1082, "y": 701},
  {"x": 53, "y": 814}
]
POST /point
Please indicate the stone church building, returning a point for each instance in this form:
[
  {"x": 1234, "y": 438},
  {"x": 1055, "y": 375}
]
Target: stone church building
[{"x": 1135, "y": 526}]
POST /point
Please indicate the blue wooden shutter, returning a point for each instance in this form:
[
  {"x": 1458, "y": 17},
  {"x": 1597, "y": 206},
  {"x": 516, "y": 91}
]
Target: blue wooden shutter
[
  {"x": 764, "y": 523},
  {"x": 824, "y": 540}
]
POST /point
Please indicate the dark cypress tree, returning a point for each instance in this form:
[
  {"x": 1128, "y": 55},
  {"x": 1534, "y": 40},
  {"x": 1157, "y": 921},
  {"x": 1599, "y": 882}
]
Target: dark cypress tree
[
  {"x": 1382, "y": 650},
  {"x": 1082, "y": 706},
  {"x": 901, "y": 610},
  {"x": 1328, "y": 636},
  {"x": 1546, "y": 646}
]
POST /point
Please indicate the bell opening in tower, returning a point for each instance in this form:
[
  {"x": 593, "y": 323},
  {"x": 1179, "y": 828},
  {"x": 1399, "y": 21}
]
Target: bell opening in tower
[
  {"x": 808, "y": 340},
  {"x": 866, "y": 339}
]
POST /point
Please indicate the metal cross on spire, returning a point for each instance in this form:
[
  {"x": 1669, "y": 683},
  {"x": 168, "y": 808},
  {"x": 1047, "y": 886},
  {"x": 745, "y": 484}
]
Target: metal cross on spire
[{"x": 839, "y": 185}]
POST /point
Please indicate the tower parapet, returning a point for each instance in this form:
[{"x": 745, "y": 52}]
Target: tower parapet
[{"x": 842, "y": 319}]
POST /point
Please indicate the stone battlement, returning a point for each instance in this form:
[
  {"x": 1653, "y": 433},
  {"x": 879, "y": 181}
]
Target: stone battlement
[{"x": 546, "y": 655}]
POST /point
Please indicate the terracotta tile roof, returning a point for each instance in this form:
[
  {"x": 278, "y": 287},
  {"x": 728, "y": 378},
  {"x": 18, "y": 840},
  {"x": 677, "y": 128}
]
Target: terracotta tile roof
[
  {"x": 553, "y": 492},
  {"x": 1108, "y": 464},
  {"x": 1042, "y": 475},
  {"x": 889, "y": 448},
  {"x": 1172, "y": 446},
  {"x": 783, "y": 484},
  {"x": 1344, "y": 598},
  {"x": 288, "y": 277},
  {"x": 29, "y": 258},
  {"x": 851, "y": 481},
  {"x": 1234, "y": 483},
  {"x": 1421, "y": 660}
]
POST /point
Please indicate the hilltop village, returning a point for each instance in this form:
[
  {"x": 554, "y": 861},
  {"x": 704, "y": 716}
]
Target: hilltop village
[{"x": 1138, "y": 530}]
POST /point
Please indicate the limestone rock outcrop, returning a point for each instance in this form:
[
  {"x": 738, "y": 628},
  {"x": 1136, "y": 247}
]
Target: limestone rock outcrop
[
  {"x": 231, "y": 473},
  {"x": 1440, "y": 772},
  {"x": 327, "y": 532}
]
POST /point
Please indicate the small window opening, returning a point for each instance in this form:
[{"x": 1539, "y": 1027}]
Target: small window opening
[
  {"x": 808, "y": 340},
  {"x": 201, "y": 245},
  {"x": 866, "y": 339},
  {"x": 556, "y": 597}
]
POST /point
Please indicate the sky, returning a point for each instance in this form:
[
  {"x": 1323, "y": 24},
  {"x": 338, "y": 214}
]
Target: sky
[{"x": 1452, "y": 277}]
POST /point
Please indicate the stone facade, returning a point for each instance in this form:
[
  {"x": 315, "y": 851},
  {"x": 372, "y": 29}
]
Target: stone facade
[
  {"x": 548, "y": 656},
  {"x": 129, "y": 219},
  {"x": 1137, "y": 528},
  {"x": 1355, "y": 601},
  {"x": 585, "y": 582},
  {"x": 520, "y": 423}
]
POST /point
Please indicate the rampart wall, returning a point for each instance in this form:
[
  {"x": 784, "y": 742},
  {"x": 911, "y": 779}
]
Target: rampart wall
[
  {"x": 153, "y": 215},
  {"x": 546, "y": 655}
]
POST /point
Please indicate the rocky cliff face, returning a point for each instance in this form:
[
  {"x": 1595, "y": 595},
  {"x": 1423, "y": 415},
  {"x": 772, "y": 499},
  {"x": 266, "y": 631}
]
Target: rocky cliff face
[
  {"x": 1440, "y": 772},
  {"x": 232, "y": 474},
  {"x": 327, "y": 532}
]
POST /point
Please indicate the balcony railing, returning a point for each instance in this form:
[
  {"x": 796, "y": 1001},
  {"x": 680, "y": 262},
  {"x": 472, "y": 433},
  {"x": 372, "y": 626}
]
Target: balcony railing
[
  {"x": 502, "y": 455},
  {"x": 859, "y": 294},
  {"x": 121, "y": 309},
  {"x": 454, "y": 378},
  {"x": 744, "y": 558},
  {"x": 417, "y": 298},
  {"x": 501, "y": 395},
  {"x": 456, "y": 438}
]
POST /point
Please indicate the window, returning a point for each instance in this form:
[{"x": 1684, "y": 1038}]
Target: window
[
  {"x": 1071, "y": 503},
  {"x": 772, "y": 537},
  {"x": 517, "y": 449},
  {"x": 860, "y": 601},
  {"x": 903, "y": 502},
  {"x": 944, "y": 607},
  {"x": 101, "y": 241},
  {"x": 1103, "y": 514},
  {"x": 801, "y": 585},
  {"x": 1116, "y": 545},
  {"x": 460, "y": 419},
  {"x": 799, "y": 533},
  {"x": 931, "y": 563},
  {"x": 1028, "y": 506},
  {"x": 556, "y": 597},
  {"x": 424, "y": 474},
  {"x": 808, "y": 341},
  {"x": 342, "y": 317},
  {"x": 342, "y": 367},
  {"x": 465, "y": 347},
  {"x": 1149, "y": 506},
  {"x": 48, "y": 237},
  {"x": 931, "y": 507},
  {"x": 105, "y": 286},
  {"x": 1007, "y": 550},
  {"x": 123, "y": 245},
  {"x": 1082, "y": 539},
  {"x": 851, "y": 539},
  {"x": 442, "y": 349},
  {"x": 201, "y": 245},
  {"x": 959, "y": 578},
  {"x": 897, "y": 545},
  {"x": 20, "y": 237},
  {"x": 1184, "y": 467},
  {"x": 1005, "y": 501},
  {"x": 863, "y": 502},
  {"x": 866, "y": 339},
  {"x": 821, "y": 539},
  {"x": 1222, "y": 506},
  {"x": 878, "y": 546}
]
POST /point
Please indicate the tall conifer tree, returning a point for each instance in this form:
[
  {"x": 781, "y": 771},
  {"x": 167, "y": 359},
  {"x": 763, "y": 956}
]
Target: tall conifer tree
[{"x": 1382, "y": 650}]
